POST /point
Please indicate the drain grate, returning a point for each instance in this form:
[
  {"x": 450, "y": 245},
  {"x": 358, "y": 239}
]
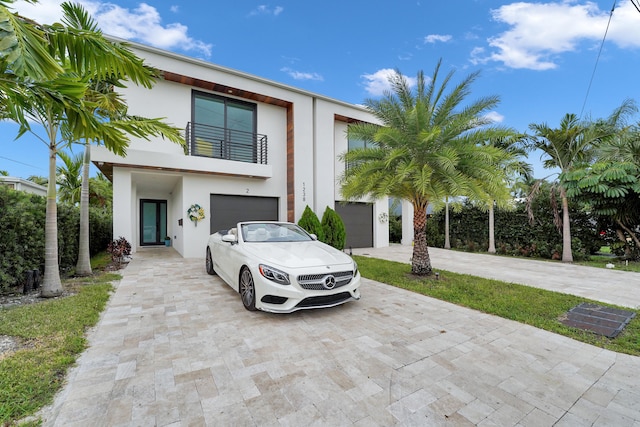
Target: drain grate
[{"x": 598, "y": 319}]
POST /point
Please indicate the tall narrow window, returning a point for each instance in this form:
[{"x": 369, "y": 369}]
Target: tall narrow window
[{"x": 223, "y": 128}]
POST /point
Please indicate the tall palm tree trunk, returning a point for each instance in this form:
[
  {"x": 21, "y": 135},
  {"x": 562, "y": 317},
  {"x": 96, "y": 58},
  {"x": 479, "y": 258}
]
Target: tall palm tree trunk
[
  {"x": 492, "y": 232},
  {"x": 51, "y": 283},
  {"x": 83, "y": 267},
  {"x": 567, "y": 255},
  {"x": 421, "y": 262},
  {"x": 447, "y": 239}
]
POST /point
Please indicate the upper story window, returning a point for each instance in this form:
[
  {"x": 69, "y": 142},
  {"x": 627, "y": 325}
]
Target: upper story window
[
  {"x": 225, "y": 128},
  {"x": 357, "y": 143}
]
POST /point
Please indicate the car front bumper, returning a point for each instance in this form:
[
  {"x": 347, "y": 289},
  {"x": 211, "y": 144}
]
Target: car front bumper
[{"x": 276, "y": 298}]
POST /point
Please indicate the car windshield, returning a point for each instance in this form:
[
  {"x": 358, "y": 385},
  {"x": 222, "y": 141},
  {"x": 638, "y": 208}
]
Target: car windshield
[{"x": 273, "y": 232}]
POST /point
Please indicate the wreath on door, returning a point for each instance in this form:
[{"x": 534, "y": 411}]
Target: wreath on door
[{"x": 196, "y": 213}]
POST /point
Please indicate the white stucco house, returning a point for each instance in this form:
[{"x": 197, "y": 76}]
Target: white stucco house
[
  {"x": 255, "y": 150},
  {"x": 23, "y": 185}
]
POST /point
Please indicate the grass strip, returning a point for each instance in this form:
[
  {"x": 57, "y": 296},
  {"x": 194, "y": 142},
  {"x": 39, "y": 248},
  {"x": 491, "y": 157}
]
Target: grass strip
[
  {"x": 54, "y": 334},
  {"x": 536, "y": 307}
]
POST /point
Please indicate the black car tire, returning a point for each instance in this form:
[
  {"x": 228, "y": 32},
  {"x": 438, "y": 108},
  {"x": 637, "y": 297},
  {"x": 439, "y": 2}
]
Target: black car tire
[
  {"x": 247, "y": 290},
  {"x": 209, "y": 263}
]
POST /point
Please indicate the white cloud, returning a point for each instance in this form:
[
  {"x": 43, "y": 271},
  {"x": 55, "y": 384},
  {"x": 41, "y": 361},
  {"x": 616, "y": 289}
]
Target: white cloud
[
  {"x": 377, "y": 83},
  {"x": 266, "y": 10},
  {"x": 434, "y": 38},
  {"x": 539, "y": 32},
  {"x": 175, "y": 8},
  {"x": 298, "y": 75},
  {"x": 495, "y": 117},
  {"x": 143, "y": 23}
]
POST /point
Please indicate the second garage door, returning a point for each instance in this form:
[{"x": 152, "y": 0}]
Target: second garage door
[
  {"x": 227, "y": 211},
  {"x": 358, "y": 223}
]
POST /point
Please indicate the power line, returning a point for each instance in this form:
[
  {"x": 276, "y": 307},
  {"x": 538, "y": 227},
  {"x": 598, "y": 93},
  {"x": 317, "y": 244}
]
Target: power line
[
  {"x": 16, "y": 161},
  {"x": 636, "y": 3},
  {"x": 600, "y": 52}
]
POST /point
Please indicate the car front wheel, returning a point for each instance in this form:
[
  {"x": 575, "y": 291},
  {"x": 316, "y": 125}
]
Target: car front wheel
[
  {"x": 209, "y": 263},
  {"x": 247, "y": 290}
]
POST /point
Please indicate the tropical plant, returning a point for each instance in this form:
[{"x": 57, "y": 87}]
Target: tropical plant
[
  {"x": 611, "y": 186},
  {"x": 570, "y": 147},
  {"x": 110, "y": 109},
  {"x": 310, "y": 222},
  {"x": 119, "y": 249},
  {"x": 69, "y": 177},
  {"x": 427, "y": 146},
  {"x": 100, "y": 192},
  {"x": 47, "y": 70},
  {"x": 333, "y": 228},
  {"x": 40, "y": 180},
  {"x": 514, "y": 167}
]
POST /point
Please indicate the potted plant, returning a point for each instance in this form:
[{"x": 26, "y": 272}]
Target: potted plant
[{"x": 167, "y": 241}]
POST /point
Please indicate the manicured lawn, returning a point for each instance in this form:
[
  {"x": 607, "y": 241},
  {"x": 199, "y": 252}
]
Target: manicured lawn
[
  {"x": 601, "y": 261},
  {"x": 53, "y": 333},
  {"x": 533, "y": 306}
]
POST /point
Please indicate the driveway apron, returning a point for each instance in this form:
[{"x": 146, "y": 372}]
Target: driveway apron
[{"x": 175, "y": 347}]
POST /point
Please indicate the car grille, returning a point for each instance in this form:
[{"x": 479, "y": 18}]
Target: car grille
[
  {"x": 325, "y": 300},
  {"x": 319, "y": 282}
]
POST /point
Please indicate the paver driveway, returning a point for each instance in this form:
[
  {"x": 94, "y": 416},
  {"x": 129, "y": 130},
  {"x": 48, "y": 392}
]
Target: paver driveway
[{"x": 175, "y": 347}]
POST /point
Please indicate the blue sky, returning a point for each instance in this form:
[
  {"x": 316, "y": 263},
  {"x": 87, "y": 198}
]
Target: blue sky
[{"x": 538, "y": 56}]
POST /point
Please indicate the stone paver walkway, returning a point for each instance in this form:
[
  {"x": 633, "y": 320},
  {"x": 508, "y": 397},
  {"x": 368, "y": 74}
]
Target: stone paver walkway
[{"x": 175, "y": 347}]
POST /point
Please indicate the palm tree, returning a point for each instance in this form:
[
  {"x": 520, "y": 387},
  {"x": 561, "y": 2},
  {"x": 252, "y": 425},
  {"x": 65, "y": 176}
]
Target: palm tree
[
  {"x": 46, "y": 75},
  {"x": 40, "y": 180},
  {"x": 571, "y": 146},
  {"x": 69, "y": 177},
  {"x": 428, "y": 147},
  {"x": 514, "y": 167},
  {"x": 100, "y": 192},
  {"x": 611, "y": 186},
  {"x": 111, "y": 110}
]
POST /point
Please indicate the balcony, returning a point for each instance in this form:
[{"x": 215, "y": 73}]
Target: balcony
[{"x": 224, "y": 143}]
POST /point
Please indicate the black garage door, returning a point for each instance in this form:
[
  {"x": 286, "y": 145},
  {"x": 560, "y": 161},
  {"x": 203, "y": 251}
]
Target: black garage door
[
  {"x": 358, "y": 223},
  {"x": 227, "y": 211}
]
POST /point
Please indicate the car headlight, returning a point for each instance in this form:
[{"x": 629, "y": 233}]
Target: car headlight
[
  {"x": 355, "y": 268},
  {"x": 274, "y": 274}
]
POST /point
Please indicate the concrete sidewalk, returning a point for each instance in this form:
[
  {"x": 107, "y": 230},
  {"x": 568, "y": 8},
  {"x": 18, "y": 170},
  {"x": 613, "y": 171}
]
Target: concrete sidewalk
[
  {"x": 175, "y": 347},
  {"x": 600, "y": 284}
]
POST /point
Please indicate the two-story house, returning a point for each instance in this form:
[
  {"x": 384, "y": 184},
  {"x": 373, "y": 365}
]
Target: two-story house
[{"x": 254, "y": 150}]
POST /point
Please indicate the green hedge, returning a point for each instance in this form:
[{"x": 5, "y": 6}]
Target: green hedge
[
  {"x": 514, "y": 235},
  {"x": 22, "y": 221}
]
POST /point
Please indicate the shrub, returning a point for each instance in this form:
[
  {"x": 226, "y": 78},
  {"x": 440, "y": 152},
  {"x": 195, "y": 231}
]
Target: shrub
[
  {"x": 395, "y": 228},
  {"x": 469, "y": 230},
  {"x": 310, "y": 222},
  {"x": 22, "y": 221},
  {"x": 119, "y": 249},
  {"x": 333, "y": 227}
]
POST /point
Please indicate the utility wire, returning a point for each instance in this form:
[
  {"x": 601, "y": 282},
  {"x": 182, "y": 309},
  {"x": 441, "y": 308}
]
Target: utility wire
[
  {"x": 636, "y": 3},
  {"x": 598, "y": 57}
]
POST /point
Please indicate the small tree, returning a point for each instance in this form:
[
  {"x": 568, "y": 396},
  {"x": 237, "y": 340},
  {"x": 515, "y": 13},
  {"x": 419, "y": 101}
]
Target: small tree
[
  {"x": 310, "y": 222},
  {"x": 333, "y": 227}
]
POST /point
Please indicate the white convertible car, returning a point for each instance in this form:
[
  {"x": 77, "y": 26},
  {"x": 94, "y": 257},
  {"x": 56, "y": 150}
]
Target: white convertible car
[{"x": 279, "y": 267}]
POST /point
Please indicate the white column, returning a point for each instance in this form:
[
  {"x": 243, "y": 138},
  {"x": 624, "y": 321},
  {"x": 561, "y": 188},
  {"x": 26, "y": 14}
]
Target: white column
[
  {"x": 125, "y": 212},
  {"x": 407, "y": 223}
]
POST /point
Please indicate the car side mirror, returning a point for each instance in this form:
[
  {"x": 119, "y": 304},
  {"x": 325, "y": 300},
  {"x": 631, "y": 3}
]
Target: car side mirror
[
  {"x": 313, "y": 236},
  {"x": 229, "y": 238}
]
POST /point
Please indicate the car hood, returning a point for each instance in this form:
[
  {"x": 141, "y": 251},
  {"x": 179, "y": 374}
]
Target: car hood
[{"x": 298, "y": 254}]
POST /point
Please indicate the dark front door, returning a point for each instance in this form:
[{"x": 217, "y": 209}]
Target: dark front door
[{"x": 153, "y": 222}]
